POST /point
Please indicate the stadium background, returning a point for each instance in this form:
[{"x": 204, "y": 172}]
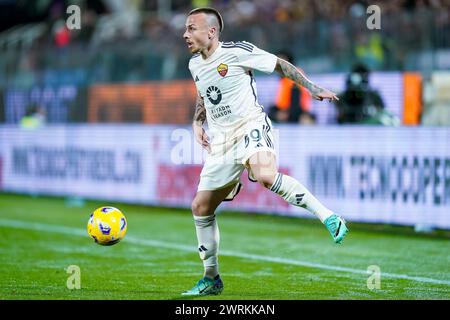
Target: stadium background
[{"x": 103, "y": 112}]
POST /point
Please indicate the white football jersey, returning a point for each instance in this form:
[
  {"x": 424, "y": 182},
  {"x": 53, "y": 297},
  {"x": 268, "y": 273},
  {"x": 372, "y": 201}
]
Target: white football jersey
[{"x": 225, "y": 82}]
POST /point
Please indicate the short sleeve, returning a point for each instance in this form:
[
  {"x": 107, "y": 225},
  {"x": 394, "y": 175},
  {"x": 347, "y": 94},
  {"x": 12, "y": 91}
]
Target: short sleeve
[
  {"x": 191, "y": 68},
  {"x": 252, "y": 57},
  {"x": 194, "y": 77}
]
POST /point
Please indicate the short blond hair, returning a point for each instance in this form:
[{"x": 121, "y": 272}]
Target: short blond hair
[{"x": 209, "y": 11}]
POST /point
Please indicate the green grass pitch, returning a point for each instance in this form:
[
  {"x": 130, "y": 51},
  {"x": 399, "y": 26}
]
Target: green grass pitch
[{"x": 262, "y": 257}]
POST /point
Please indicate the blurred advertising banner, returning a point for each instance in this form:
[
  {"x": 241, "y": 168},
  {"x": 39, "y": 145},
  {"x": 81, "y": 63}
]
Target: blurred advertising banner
[
  {"x": 157, "y": 102},
  {"x": 173, "y": 102},
  {"x": 87, "y": 161},
  {"x": 62, "y": 104},
  {"x": 396, "y": 175}
]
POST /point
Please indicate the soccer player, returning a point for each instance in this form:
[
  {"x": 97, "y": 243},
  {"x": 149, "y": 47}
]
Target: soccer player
[{"x": 241, "y": 134}]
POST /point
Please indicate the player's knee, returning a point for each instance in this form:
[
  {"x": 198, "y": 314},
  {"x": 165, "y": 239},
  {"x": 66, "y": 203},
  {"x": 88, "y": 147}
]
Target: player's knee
[
  {"x": 266, "y": 180},
  {"x": 199, "y": 208}
]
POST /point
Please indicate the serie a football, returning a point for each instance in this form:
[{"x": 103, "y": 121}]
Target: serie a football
[{"x": 107, "y": 226}]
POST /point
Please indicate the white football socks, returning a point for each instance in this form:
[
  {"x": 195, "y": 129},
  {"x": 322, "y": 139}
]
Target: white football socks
[
  {"x": 296, "y": 194},
  {"x": 208, "y": 243}
]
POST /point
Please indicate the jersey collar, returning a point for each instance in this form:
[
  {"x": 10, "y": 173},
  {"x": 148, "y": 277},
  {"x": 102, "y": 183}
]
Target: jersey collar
[{"x": 215, "y": 53}]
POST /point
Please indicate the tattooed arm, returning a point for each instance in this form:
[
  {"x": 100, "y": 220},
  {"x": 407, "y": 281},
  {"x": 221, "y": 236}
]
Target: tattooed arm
[
  {"x": 286, "y": 69},
  {"x": 200, "y": 112},
  {"x": 197, "y": 123}
]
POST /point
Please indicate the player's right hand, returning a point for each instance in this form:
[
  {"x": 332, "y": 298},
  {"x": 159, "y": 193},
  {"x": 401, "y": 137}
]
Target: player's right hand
[
  {"x": 202, "y": 137},
  {"x": 326, "y": 94}
]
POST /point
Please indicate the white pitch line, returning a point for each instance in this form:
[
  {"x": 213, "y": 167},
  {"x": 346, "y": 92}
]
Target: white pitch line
[{"x": 160, "y": 244}]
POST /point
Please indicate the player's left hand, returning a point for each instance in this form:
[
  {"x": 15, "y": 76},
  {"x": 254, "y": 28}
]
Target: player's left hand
[{"x": 326, "y": 94}]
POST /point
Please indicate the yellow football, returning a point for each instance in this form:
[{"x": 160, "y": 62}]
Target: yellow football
[{"x": 107, "y": 226}]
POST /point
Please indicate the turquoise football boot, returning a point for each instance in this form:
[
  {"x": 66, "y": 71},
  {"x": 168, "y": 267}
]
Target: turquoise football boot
[
  {"x": 337, "y": 228},
  {"x": 206, "y": 286}
]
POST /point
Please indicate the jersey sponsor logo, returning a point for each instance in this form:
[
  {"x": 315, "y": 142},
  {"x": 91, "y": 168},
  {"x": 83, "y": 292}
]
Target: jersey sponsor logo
[
  {"x": 214, "y": 95},
  {"x": 222, "y": 69},
  {"x": 220, "y": 111}
]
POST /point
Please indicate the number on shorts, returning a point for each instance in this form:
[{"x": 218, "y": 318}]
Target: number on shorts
[{"x": 255, "y": 135}]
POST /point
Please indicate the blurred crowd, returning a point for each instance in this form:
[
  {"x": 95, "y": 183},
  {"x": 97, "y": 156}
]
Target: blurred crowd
[
  {"x": 335, "y": 31},
  {"x": 141, "y": 40},
  {"x": 145, "y": 18}
]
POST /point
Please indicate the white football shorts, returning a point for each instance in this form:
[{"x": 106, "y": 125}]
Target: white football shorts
[{"x": 224, "y": 165}]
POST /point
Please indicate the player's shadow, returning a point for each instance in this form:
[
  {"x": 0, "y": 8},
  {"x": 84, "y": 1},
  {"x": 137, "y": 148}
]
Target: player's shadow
[{"x": 188, "y": 298}]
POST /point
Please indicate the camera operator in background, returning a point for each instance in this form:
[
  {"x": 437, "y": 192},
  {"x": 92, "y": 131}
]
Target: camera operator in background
[{"x": 361, "y": 104}]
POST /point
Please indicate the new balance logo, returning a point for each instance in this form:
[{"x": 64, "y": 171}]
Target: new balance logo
[
  {"x": 202, "y": 248},
  {"x": 299, "y": 198},
  {"x": 196, "y": 79}
]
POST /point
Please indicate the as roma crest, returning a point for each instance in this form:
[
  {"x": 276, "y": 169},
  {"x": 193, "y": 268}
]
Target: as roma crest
[{"x": 222, "y": 69}]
